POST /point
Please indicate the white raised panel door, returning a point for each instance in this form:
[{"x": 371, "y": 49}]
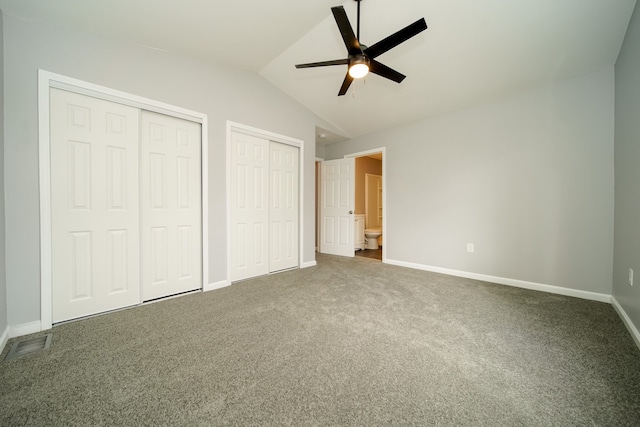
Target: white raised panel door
[
  {"x": 337, "y": 206},
  {"x": 170, "y": 208},
  {"x": 249, "y": 192},
  {"x": 94, "y": 205},
  {"x": 283, "y": 207}
]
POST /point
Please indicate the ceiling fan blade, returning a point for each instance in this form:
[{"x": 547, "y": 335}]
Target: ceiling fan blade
[
  {"x": 396, "y": 38},
  {"x": 345, "y": 84},
  {"x": 324, "y": 63},
  {"x": 384, "y": 71},
  {"x": 349, "y": 37}
]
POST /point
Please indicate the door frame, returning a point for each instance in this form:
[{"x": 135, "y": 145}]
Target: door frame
[
  {"x": 385, "y": 230},
  {"x": 48, "y": 80},
  {"x": 271, "y": 136},
  {"x": 317, "y": 171}
]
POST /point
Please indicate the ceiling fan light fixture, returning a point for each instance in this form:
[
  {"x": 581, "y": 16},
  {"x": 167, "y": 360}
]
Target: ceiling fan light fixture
[{"x": 359, "y": 66}]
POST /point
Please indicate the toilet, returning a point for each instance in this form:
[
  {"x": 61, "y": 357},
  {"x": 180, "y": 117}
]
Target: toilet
[{"x": 371, "y": 237}]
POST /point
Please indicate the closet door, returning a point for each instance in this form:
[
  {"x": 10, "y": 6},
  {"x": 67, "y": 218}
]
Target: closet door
[
  {"x": 283, "y": 207},
  {"x": 94, "y": 205},
  {"x": 170, "y": 208},
  {"x": 249, "y": 206}
]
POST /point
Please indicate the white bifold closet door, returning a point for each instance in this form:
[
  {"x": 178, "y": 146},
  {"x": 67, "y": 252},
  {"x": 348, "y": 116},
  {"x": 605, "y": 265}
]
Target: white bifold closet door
[
  {"x": 125, "y": 205},
  {"x": 170, "y": 205},
  {"x": 249, "y": 210},
  {"x": 94, "y": 205},
  {"x": 264, "y": 206},
  {"x": 283, "y": 207}
]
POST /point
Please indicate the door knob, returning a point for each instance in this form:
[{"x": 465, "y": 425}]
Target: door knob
[{"x": 350, "y": 212}]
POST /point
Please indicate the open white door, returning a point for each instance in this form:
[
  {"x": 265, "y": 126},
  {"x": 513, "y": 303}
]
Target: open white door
[{"x": 337, "y": 206}]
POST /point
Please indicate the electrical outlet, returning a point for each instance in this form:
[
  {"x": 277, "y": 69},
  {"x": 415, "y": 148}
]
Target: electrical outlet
[
  {"x": 470, "y": 248},
  {"x": 631, "y": 277}
]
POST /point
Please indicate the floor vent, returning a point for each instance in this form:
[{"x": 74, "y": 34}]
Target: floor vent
[{"x": 30, "y": 346}]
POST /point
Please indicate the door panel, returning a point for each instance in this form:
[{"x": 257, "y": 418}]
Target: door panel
[
  {"x": 171, "y": 218},
  {"x": 337, "y": 206},
  {"x": 249, "y": 212},
  {"x": 283, "y": 207},
  {"x": 94, "y": 205}
]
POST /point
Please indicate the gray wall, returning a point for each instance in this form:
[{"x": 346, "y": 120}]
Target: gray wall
[
  {"x": 320, "y": 151},
  {"x": 527, "y": 179},
  {"x": 222, "y": 93},
  {"x": 627, "y": 178},
  {"x": 3, "y": 282}
]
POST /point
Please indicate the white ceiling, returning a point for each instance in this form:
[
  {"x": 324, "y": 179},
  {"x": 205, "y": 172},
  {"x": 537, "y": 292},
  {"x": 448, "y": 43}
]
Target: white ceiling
[{"x": 473, "y": 52}]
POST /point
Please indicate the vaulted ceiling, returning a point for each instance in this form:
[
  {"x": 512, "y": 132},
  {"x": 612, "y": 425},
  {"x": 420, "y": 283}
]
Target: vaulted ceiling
[{"x": 473, "y": 51}]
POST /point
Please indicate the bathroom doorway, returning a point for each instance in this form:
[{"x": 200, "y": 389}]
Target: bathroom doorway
[
  {"x": 370, "y": 162},
  {"x": 369, "y": 203}
]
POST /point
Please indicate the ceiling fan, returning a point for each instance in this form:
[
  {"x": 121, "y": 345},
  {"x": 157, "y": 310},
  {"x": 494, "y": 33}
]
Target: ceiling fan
[{"x": 361, "y": 58}]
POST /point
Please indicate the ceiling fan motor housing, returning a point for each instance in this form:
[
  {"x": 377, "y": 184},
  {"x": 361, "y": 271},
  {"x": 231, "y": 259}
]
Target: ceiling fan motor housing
[{"x": 359, "y": 59}]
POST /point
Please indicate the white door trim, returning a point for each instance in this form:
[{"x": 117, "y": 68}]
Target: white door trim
[
  {"x": 318, "y": 231},
  {"x": 47, "y": 80},
  {"x": 385, "y": 230},
  {"x": 283, "y": 139}
]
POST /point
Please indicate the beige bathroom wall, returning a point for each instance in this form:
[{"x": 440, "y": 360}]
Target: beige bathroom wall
[{"x": 364, "y": 165}]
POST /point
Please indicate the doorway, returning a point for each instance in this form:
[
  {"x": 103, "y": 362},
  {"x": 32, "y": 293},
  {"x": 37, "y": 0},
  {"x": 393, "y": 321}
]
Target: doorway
[
  {"x": 370, "y": 162},
  {"x": 368, "y": 196}
]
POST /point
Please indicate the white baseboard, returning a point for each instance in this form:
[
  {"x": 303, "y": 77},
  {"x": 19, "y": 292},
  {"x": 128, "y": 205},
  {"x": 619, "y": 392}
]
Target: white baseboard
[
  {"x": 594, "y": 296},
  {"x": 626, "y": 320},
  {"x": 25, "y": 329},
  {"x": 308, "y": 264},
  {"x": 4, "y": 338},
  {"x": 216, "y": 285}
]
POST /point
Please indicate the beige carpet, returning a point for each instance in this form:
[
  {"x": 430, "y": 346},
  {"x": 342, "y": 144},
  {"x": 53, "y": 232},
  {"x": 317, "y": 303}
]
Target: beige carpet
[{"x": 349, "y": 342}]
